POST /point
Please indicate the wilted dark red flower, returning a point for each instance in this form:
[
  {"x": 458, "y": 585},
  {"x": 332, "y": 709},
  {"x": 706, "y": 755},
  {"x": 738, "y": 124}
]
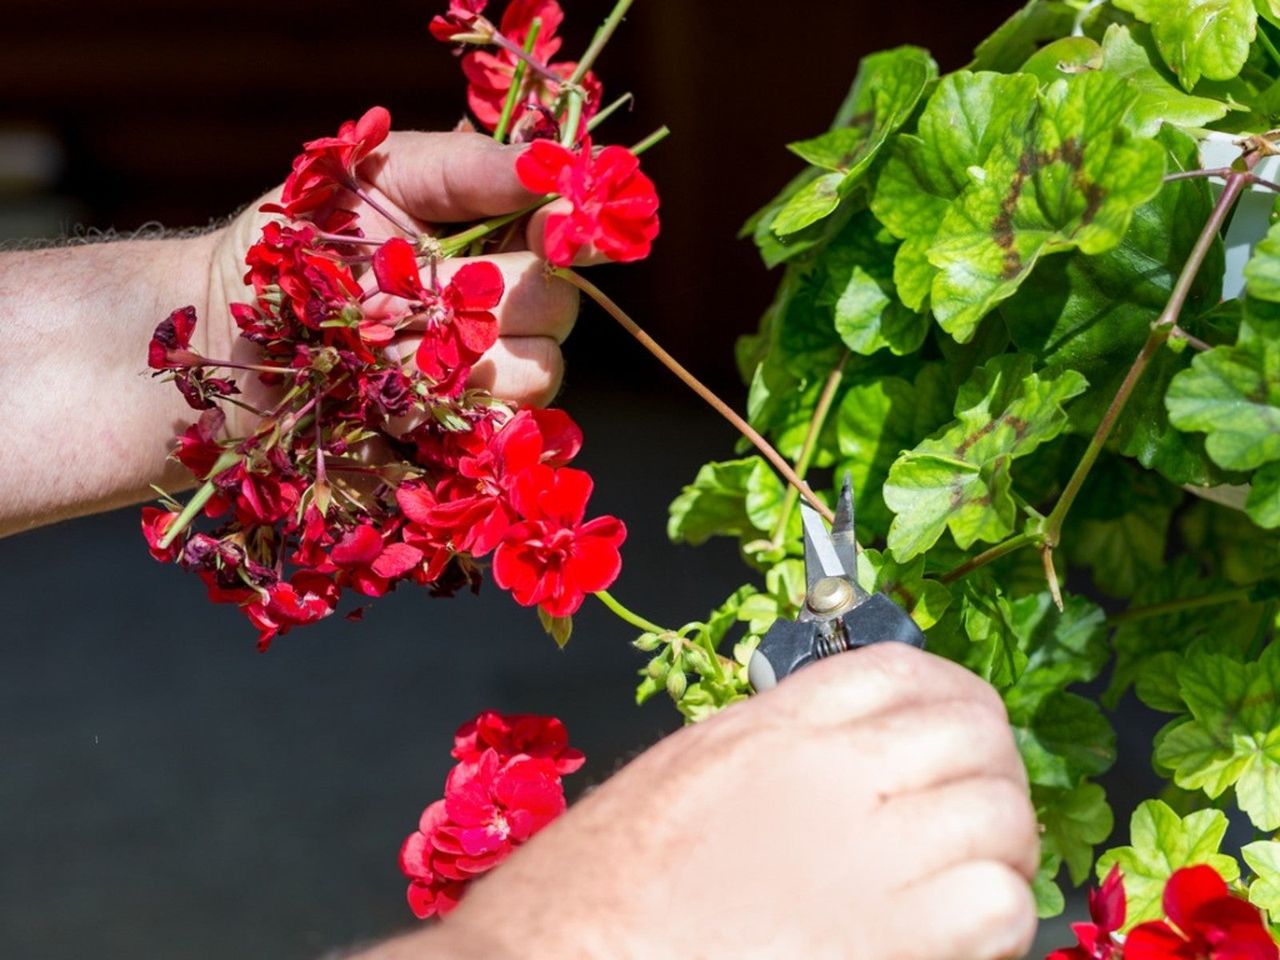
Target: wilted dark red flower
[
  {"x": 171, "y": 343},
  {"x": 328, "y": 164},
  {"x": 1203, "y": 922},
  {"x": 198, "y": 447},
  {"x": 304, "y": 599},
  {"x": 551, "y": 558},
  {"x": 155, "y": 524},
  {"x": 1107, "y": 910},
  {"x": 316, "y": 285},
  {"x": 516, "y": 735},
  {"x": 615, "y": 206}
]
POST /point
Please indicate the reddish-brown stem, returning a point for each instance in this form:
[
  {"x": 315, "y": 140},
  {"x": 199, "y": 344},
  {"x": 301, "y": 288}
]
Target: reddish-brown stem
[
  {"x": 697, "y": 386},
  {"x": 355, "y": 187}
]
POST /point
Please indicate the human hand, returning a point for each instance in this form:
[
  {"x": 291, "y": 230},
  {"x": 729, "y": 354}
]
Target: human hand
[
  {"x": 427, "y": 180},
  {"x": 874, "y": 805}
]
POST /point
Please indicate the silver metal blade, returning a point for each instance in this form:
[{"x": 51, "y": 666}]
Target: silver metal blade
[
  {"x": 843, "y": 535},
  {"x": 820, "y": 558}
]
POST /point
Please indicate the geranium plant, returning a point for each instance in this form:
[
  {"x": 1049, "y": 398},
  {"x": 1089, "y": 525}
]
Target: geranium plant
[{"x": 1004, "y": 309}]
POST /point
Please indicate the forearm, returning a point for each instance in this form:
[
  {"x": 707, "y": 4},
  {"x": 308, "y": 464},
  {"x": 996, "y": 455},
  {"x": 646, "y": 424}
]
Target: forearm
[{"x": 85, "y": 428}]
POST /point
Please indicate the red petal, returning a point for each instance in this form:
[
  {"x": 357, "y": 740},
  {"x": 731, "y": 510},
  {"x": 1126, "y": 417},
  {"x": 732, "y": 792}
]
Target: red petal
[
  {"x": 1107, "y": 904},
  {"x": 566, "y": 500},
  {"x": 479, "y": 286},
  {"x": 396, "y": 267},
  {"x": 539, "y": 167},
  {"x": 360, "y": 547},
  {"x": 372, "y": 129},
  {"x": 397, "y": 560},
  {"x": 1156, "y": 941},
  {"x": 1189, "y": 889}
]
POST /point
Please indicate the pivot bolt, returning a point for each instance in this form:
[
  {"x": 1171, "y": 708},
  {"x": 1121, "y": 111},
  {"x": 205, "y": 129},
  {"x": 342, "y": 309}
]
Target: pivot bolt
[{"x": 830, "y": 595}]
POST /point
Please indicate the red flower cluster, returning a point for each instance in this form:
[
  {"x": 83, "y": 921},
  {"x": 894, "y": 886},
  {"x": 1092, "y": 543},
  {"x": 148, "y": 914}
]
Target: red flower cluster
[
  {"x": 615, "y": 206},
  {"x": 490, "y": 72},
  {"x": 505, "y": 788},
  {"x": 1203, "y": 921},
  {"x": 368, "y": 474}
]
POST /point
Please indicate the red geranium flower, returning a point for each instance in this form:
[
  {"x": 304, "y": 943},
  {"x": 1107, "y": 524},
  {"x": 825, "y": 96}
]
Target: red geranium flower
[
  {"x": 1204, "y": 922},
  {"x": 306, "y": 598},
  {"x": 460, "y": 326},
  {"x": 369, "y": 564},
  {"x": 517, "y": 735},
  {"x": 329, "y": 163},
  {"x": 170, "y": 347},
  {"x": 155, "y": 524},
  {"x": 552, "y": 558},
  {"x": 615, "y": 206},
  {"x": 460, "y": 19},
  {"x": 317, "y": 286},
  {"x": 1107, "y": 909},
  {"x": 198, "y": 447}
]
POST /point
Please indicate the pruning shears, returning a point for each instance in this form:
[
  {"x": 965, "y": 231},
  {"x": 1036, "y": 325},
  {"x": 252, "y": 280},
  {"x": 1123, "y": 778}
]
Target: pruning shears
[{"x": 838, "y": 614}]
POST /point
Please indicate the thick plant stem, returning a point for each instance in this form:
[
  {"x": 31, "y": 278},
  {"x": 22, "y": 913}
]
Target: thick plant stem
[
  {"x": 1134, "y": 614},
  {"x": 517, "y": 82},
  {"x": 193, "y": 507},
  {"x": 1160, "y": 331},
  {"x": 573, "y": 86},
  {"x": 810, "y": 447},
  {"x": 634, "y": 619},
  {"x": 697, "y": 386},
  {"x": 1012, "y": 545}
]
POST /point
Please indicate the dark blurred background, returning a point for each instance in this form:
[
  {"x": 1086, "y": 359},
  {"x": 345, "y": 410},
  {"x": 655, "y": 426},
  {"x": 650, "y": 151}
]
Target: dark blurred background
[{"x": 166, "y": 792}]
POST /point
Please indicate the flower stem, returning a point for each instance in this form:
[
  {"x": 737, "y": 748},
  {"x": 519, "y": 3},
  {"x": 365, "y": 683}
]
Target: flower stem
[
  {"x": 696, "y": 385},
  {"x": 651, "y": 140},
  {"x": 193, "y": 507},
  {"x": 609, "y": 111},
  {"x": 1012, "y": 545},
  {"x": 524, "y": 55},
  {"x": 517, "y": 82},
  {"x": 1134, "y": 614},
  {"x": 1268, "y": 45},
  {"x": 810, "y": 447},
  {"x": 1160, "y": 331},
  {"x": 599, "y": 41},
  {"x": 637, "y": 621},
  {"x": 387, "y": 215}
]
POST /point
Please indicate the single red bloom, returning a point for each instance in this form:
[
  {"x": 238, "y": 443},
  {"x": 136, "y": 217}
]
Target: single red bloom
[
  {"x": 493, "y": 806},
  {"x": 369, "y": 564},
  {"x": 263, "y": 498},
  {"x": 170, "y": 346},
  {"x": 155, "y": 523},
  {"x": 317, "y": 286},
  {"x": 1204, "y": 922},
  {"x": 1107, "y": 910},
  {"x": 304, "y": 599},
  {"x": 460, "y": 326},
  {"x": 615, "y": 206},
  {"x": 517, "y": 735},
  {"x": 327, "y": 164},
  {"x": 460, "y": 19},
  {"x": 552, "y": 558},
  {"x": 198, "y": 447}
]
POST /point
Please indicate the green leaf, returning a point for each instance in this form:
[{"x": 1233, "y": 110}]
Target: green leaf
[
  {"x": 963, "y": 121},
  {"x": 1062, "y": 647},
  {"x": 1233, "y": 395},
  {"x": 1019, "y": 36},
  {"x": 1074, "y": 822},
  {"x": 1093, "y": 313},
  {"x": 1157, "y": 683},
  {"x": 1233, "y": 738},
  {"x": 926, "y": 600},
  {"x": 884, "y": 95},
  {"x": 959, "y": 478},
  {"x": 875, "y": 422},
  {"x": 1162, "y": 842},
  {"x": 558, "y": 628},
  {"x": 1262, "y": 272},
  {"x": 1064, "y": 57},
  {"x": 1073, "y": 179},
  {"x": 1263, "y": 858},
  {"x": 1064, "y": 739},
  {"x": 1044, "y": 886},
  {"x": 1270, "y": 10},
  {"x": 1158, "y": 101},
  {"x": 1199, "y": 38},
  {"x": 977, "y": 631},
  {"x": 1263, "y": 506},
  {"x": 741, "y": 498}
]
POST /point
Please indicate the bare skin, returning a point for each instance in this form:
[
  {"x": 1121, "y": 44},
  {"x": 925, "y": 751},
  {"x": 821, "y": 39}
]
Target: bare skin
[{"x": 872, "y": 806}]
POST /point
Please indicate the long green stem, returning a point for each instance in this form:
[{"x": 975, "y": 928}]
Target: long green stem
[
  {"x": 573, "y": 86},
  {"x": 809, "y": 447},
  {"x": 697, "y": 386},
  {"x": 1268, "y": 45},
  {"x": 1134, "y": 614},
  {"x": 1160, "y": 330},
  {"x": 1009, "y": 546},
  {"x": 517, "y": 82},
  {"x": 637, "y": 621},
  {"x": 193, "y": 507}
]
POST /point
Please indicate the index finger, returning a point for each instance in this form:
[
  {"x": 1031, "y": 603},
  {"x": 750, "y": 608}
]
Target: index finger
[
  {"x": 879, "y": 679},
  {"x": 447, "y": 177}
]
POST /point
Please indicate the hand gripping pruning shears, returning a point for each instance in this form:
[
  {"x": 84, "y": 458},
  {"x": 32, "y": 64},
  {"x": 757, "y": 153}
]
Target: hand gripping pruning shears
[{"x": 838, "y": 614}]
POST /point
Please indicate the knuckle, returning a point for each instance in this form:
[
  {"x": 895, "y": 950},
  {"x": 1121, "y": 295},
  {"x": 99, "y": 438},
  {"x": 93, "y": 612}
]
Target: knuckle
[
  {"x": 897, "y": 661},
  {"x": 1005, "y": 903}
]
